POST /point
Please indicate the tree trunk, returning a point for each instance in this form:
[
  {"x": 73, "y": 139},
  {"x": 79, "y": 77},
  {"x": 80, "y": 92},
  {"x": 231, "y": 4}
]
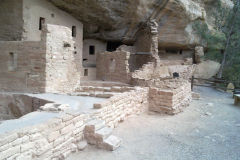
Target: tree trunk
[{"x": 220, "y": 73}]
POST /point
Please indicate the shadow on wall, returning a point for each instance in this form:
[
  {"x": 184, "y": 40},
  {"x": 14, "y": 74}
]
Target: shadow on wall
[{"x": 15, "y": 105}]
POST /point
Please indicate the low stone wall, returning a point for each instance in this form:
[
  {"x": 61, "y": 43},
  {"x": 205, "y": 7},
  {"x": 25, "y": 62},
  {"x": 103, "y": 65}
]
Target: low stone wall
[
  {"x": 117, "y": 108},
  {"x": 59, "y": 137},
  {"x": 170, "y": 101}
]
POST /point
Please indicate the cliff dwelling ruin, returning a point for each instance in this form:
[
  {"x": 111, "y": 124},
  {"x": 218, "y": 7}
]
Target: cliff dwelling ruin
[{"x": 66, "y": 82}]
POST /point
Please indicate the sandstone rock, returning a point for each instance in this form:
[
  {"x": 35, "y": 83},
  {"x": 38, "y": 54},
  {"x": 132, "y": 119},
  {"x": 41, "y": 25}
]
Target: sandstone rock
[
  {"x": 199, "y": 53},
  {"x": 54, "y": 107},
  {"x": 206, "y": 69},
  {"x": 111, "y": 143},
  {"x": 97, "y": 106},
  {"x": 119, "y": 20},
  {"x": 195, "y": 95},
  {"x": 103, "y": 133},
  {"x": 230, "y": 88},
  {"x": 82, "y": 145}
]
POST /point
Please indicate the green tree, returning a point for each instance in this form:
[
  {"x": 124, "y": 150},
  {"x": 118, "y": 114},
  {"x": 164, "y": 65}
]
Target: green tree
[{"x": 223, "y": 41}]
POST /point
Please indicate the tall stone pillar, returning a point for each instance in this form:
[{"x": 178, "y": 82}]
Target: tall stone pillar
[{"x": 153, "y": 27}]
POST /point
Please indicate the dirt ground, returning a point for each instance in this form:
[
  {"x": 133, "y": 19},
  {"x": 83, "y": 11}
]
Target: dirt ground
[{"x": 209, "y": 129}]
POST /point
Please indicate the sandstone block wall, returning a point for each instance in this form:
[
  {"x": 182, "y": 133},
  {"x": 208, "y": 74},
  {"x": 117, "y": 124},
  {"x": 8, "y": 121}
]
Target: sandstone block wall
[
  {"x": 11, "y": 28},
  {"x": 62, "y": 74},
  {"x": 45, "y": 66},
  {"x": 22, "y": 66},
  {"x": 100, "y": 46},
  {"x": 117, "y": 108},
  {"x": 170, "y": 101},
  {"x": 58, "y": 137},
  {"x": 113, "y": 66}
]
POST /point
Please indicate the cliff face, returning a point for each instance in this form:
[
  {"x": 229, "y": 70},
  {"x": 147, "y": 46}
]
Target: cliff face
[{"x": 119, "y": 20}]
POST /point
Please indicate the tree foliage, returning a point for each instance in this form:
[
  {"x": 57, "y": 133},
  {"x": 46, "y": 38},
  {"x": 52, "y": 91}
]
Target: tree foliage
[{"x": 223, "y": 40}]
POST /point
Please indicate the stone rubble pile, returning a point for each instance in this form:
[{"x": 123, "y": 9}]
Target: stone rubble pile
[
  {"x": 97, "y": 133},
  {"x": 54, "y": 107},
  {"x": 101, "y": 92}
]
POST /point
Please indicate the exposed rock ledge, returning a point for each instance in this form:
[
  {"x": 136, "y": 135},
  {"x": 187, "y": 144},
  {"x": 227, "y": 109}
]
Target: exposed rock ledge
[{"x": 119, "y": 20}]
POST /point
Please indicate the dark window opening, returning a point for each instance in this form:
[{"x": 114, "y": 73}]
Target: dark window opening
[
  {"x": 180, "y": 52},
  {"x": 11, "y": 59},
  {"x": 52, "y": 15},
  {"x": 75, "y": 52},
  {"x": 41, "y": 23},
  {"x": 74, "y": 31},
  {"x": 112, "y": 45},
  {"x": 175, "y": 75},
  {"x": 91, "y": 50},
  {"x": 85, "y": 72},
  {"x": 174, "y": 51}
]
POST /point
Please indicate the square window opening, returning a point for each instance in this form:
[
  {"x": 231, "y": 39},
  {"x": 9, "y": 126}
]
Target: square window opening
[
  {"x": 74, "y": 31},
  {"x": 91, "y": 50},
  {"x": 85, "y": 72},
  {"x": 41, "y": 22}
]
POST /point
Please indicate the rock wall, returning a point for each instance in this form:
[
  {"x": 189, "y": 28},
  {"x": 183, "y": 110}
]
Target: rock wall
[
  {"x": 11, "y": 28},
  {"x": 206, "y": 69},
  {"x": 22, "y": 66},
  {"x": 62, "y": 73},
  {"x": 171, "y": 100},
  {"x": 120, "y": 20},
  {"x": 58, "y": 137},
  {"x": 113, "y": 66},
  {"x": 45, "y": 66}
]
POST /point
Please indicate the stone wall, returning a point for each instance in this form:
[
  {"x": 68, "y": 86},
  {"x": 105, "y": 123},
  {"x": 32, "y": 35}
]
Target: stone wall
[
  {"x": 58, "y": 137},
  {"x": 113, "y": 66},
  {"x": 117, "y": 108},
  {"x": 45, "y": 66},
  {"x": 62, "y": 74},
  {"x": 170, "y": 97},
  {"x": 34, "y": 9},
  {"x": 99, "y": 47},
  {"x": 11, "y": 27},
  {"x": 22, "y": 66}
]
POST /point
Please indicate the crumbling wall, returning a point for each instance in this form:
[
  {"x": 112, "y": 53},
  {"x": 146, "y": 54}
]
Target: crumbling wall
[
  {"x": 137, "y": 61},
  {"x": 170, "y": 96},
  {"x": 58, "y": 137},
  {"x": 11, "y": 27},
  {"x": 62, "y": 74},
  {"x": 113, "y": 66},
  {"x": 34, "y": 9},
  {"x": 45, "y": 66}
]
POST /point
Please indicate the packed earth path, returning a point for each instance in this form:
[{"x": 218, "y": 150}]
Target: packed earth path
[{"x": 209, "y": 129}]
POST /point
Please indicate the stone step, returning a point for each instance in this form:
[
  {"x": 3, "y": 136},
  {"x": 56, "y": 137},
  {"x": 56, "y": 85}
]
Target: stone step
[
  {"x": 103, "y": 133},
  {"x": 104, "y": 94},
  {"x": 111, "y": 143},
  {"x": 93, "y": 125},
  {"x": 102, "y": 83}
]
